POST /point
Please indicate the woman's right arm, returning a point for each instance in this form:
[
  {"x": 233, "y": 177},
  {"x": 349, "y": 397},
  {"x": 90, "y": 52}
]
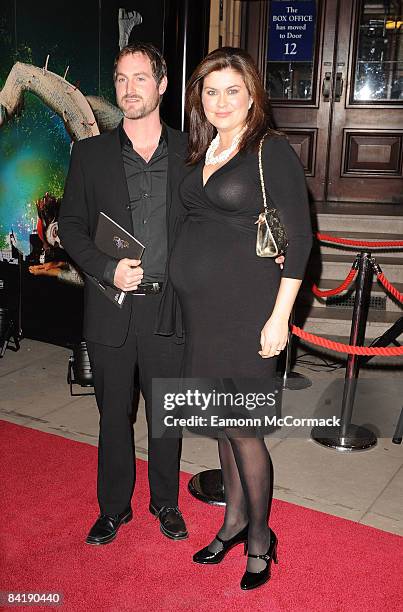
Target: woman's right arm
[
  {"x": 286, "y": 187},
  {"x": 285, "y": 184}
]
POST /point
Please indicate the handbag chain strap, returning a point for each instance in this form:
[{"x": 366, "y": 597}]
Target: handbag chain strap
[{"x": 261, "y": 173}]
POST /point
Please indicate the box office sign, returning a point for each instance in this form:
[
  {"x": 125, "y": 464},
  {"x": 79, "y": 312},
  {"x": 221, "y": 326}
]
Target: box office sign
[{"x": 291, "y": 30}]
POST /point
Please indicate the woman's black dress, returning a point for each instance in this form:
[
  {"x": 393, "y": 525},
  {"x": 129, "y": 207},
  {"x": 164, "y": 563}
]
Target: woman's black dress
[{"x": 226, "y": 292}]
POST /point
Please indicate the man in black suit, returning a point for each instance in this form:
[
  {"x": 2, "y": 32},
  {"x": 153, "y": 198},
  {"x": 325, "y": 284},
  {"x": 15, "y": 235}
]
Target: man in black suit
[{"x": 132, "y": 174}]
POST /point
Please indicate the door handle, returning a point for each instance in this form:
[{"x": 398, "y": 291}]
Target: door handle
[
  {"x": 327, "y": 86},
  {"x": 338, "y": 90}
]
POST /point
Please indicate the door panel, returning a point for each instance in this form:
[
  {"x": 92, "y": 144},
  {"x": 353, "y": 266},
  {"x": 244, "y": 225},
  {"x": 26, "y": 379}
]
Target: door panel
[
  {"x": 366, "y": 141},
  {"x": 305, "y": 144},
  {"x": 300, "y": 93},
  {"x": 342, "y": 111},
  {"x": 372, "y": 154}
]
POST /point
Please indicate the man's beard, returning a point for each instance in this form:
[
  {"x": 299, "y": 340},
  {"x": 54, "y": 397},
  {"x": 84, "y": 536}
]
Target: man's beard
[{"x": 140, "y": 111}]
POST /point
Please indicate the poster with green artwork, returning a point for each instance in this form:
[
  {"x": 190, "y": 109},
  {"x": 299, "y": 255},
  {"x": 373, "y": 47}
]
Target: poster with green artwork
[{"x": 56, "y": 86}]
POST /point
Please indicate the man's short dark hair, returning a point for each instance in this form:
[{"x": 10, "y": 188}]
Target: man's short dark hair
[{"x": 158, "y": 65}]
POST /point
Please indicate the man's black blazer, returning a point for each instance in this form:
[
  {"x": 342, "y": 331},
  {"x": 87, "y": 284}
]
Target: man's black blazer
[{"x": 96, "y": 182}]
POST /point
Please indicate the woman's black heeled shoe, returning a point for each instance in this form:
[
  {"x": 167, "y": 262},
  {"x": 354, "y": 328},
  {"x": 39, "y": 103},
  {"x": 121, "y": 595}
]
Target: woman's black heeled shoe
[
  {"x": 252, "y": 580},
  {"x": 205, "y": 555}
]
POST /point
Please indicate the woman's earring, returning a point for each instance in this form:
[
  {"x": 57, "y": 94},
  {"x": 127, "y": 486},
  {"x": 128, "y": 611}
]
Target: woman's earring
[{"x": 250, "y": 104}]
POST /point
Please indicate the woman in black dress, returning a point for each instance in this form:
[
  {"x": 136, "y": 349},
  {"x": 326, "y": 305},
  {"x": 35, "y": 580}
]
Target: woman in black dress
[{"x": 236, "y": 305}]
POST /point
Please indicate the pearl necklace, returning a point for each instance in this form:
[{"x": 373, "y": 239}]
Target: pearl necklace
[{"x": 212, "y": 159}]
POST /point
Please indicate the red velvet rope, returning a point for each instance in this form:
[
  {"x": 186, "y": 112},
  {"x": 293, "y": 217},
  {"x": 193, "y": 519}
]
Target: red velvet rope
[
  {"x": 339, "y": 346},
  {"x": 360, "y": 243},
  {"x": 389, "y": 287},
  {"x": 347, "y": 348},
  {"x": 347, "y": 281}
]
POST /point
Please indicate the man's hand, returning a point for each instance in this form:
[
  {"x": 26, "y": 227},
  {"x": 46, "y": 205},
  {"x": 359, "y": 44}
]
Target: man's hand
[
  {"x": 280, "y": 260},
  {"x": 128, "y": 274}
]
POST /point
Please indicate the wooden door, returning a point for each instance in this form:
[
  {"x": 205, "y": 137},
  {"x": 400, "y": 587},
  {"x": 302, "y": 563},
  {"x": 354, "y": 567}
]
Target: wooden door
[
  {"x": 366, "y": 140},
  {"x": 337, "y": 91}
]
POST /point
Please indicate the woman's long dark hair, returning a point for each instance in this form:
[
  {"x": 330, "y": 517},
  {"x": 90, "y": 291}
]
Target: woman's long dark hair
[{"x": 201, "y": 131}]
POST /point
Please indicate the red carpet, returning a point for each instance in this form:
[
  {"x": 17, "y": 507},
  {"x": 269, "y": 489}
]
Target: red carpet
[{"x": 48, "y": 490}]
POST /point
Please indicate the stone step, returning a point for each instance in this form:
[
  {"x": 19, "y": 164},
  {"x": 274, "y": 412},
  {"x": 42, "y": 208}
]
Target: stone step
[
  {"x": 358, "y": 217},
  {"x": 328, "y": 248},
  {"x": 363, "y": 223},
  {"x": 337, "y": 321},
  {"x": 307, "y": 297},
  {"x": 336, "y": 266}
]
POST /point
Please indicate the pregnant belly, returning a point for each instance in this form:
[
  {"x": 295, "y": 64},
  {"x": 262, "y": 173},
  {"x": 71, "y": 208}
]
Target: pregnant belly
[
  {"x": 205, "y": 256},
  {"x": 214, "y": 266}
]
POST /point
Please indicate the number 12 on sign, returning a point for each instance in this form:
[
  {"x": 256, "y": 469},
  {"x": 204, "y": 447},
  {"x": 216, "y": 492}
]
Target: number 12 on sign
[{"x": 290, "y": 49}]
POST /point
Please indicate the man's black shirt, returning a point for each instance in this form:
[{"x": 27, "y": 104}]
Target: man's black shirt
[{"x": 147, "y": 184}]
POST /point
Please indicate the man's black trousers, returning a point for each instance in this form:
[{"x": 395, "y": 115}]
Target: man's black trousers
[{"x": 114, "y": 371}]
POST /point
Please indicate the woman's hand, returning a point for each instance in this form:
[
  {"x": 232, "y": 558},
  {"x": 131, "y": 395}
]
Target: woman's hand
[
  {"x": 273, "y": 337},
  {"x": 280, "y": 261}
]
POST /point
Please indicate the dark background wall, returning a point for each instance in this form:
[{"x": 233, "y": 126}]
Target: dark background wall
[{"x": 34, "y": 147}]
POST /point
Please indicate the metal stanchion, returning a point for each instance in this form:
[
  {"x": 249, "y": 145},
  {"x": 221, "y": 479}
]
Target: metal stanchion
[
  {"x": 208, "y": 487},
  {"x": 293, "y": 380},
  {"x": 398, "y": 435},
  {"x": 350, "y": 437}
]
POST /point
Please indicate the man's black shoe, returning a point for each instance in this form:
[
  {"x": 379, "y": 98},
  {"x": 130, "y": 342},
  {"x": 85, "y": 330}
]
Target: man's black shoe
[
  {"x": 171, "y": 520},
  {"x": 105, "y": 528}
]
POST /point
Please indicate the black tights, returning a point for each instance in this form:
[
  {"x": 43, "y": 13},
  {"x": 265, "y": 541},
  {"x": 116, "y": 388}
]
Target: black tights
[{"x": 247, "y": 477}]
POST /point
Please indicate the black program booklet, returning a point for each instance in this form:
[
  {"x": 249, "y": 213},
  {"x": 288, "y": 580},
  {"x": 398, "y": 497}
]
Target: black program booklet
[{"x": 116, "y": 242}]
